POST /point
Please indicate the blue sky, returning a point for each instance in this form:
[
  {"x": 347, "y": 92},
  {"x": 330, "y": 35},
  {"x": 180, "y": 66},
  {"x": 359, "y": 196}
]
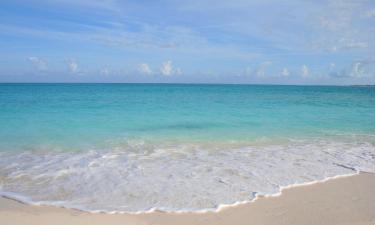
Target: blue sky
[{"x": 239, "y": 41}]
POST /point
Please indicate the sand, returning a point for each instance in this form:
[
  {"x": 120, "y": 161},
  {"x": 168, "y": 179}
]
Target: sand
[{"x": 348, "y": 200}]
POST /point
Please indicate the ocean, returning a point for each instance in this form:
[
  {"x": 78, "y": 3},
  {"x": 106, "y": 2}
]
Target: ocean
[{"x": 177, "y": 147}]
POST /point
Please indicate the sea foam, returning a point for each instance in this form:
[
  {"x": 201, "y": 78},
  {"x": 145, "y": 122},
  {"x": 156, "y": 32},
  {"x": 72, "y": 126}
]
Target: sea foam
[{"x": 175, "y": 178}]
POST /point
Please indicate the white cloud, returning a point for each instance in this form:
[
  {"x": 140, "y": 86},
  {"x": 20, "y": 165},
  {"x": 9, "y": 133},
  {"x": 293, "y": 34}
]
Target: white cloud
[
  {"x": 285, "y": 72},
  {"x": 363, "y": 68},
  {"x": 167, "y": 68},
  {"x": 144, "y": 68},
  {"x": 73, "y": 66},
  {"x": 340, "y": 26},
  {"x": 305, "y": 71},
  {"x": 357, "y": 69},
  {"x": 38, "y": 63}
]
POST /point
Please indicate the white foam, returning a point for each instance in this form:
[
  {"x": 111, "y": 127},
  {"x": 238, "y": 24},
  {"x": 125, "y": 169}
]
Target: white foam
[{"x": 177, "y": 178}]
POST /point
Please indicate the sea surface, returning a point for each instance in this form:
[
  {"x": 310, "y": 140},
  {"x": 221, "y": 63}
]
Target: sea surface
[{"x": 177, "y": 147}]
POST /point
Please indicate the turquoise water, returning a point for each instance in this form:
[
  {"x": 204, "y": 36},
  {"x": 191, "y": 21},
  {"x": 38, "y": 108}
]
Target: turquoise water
[
  {"x": 76, "y": 115},
  {"x": 135, "y": 147}
]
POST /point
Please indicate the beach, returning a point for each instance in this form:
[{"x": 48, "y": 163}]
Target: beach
[
  {"x": 346, "y": 200},
  {"x": 194, "y": 112}
]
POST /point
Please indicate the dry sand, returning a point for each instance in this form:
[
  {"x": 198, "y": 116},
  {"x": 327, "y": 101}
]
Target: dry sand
[{"x": 349, "y": 200}]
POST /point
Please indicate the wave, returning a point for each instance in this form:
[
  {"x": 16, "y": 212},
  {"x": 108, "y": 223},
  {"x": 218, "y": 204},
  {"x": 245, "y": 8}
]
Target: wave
[{"x": 177, "y": 178}]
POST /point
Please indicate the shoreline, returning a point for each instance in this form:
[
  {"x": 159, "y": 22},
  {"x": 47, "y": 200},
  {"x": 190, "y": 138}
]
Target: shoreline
[
  {"x": 346, "y": 200},
  {"x": 25, "y": 200},
  {"x": 150, "y": 180}
]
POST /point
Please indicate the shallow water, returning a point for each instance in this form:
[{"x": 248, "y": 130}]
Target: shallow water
[{"x": 136, "y": 147}]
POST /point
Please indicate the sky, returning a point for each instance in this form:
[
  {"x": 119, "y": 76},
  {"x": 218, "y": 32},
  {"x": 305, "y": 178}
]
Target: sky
[{"x": 197, "y": 41}]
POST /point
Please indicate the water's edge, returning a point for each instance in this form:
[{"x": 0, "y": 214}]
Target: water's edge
[{"x": 25, "y": 200}]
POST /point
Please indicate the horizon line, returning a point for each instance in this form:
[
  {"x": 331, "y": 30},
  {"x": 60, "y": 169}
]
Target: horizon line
[{"x": 191, "y": 83}]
